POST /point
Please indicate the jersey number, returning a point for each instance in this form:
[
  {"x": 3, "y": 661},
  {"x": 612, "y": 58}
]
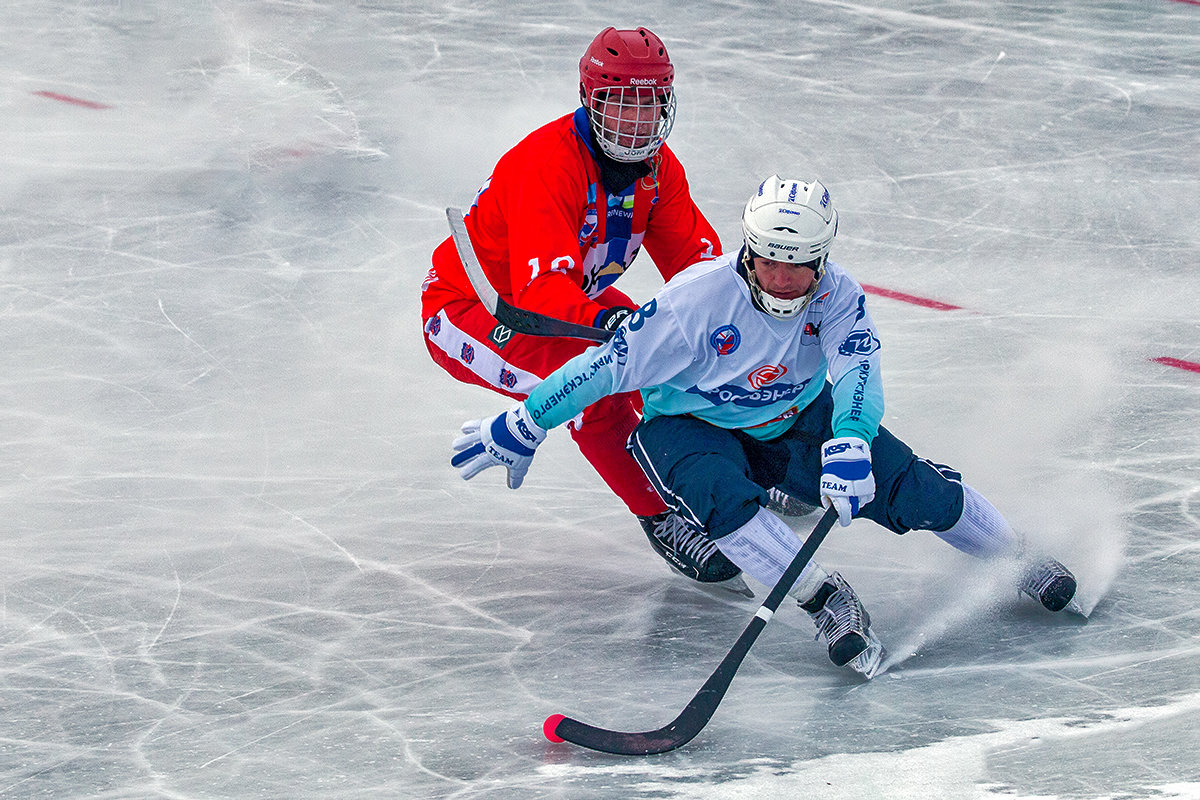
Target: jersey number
[{"x": 560, "y": 264}]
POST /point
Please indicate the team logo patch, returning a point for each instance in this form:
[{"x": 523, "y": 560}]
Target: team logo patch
[
  {"x": 859, "y": 343},
  {"x": 468, "y": 353},
  {"x": 725, "y": 339},
  {"x": 768, "y": 373},
  {"x": 435, "y": 325},
  {"x": 500, "y": 336},
  {"x": 507, "y": 379}
]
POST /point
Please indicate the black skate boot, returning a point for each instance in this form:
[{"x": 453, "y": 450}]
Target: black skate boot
[
  {"x": 692, "y": 554},
  {"x": 1051, "y": 584},
  {"x": 845, "y": 626},
  {"x": 786, "y": 505}
]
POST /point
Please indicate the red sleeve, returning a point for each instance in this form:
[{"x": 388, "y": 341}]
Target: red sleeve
[
  {"x": 544, "y": 191},
  {"x": 677, "y": 234}
]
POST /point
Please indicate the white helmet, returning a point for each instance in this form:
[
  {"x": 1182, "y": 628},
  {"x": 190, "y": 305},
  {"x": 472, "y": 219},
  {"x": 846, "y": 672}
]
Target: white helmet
[{"x": 792, "y": 221}]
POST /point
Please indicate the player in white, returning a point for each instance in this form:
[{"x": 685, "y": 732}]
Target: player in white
[{"x": 759, "y": 370}]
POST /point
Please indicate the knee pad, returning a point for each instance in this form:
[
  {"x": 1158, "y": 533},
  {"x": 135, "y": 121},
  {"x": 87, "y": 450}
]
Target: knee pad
[{"x": 926, "y": 496}]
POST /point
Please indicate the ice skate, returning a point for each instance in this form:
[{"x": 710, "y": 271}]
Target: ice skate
[
  {"x": 845, "y": 626},
  {"x": 787, "y": 505},
  {"x": 692, "y": 554},
  {"x": 1052, "y": 585}
]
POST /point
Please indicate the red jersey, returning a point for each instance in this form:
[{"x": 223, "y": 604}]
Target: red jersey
[{"x": 551, "y": 238}]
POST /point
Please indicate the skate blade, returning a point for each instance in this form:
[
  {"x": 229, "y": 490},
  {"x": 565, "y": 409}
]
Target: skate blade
[
  {"x": 1074, "y": 609},
  {"x": 735, "y": 585},
  {"x": 867, "y": 662}
]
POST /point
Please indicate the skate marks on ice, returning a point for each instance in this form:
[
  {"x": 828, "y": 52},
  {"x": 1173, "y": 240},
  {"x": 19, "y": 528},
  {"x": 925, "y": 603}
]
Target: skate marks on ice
[
  {"x": 966, "y": 766},
  {"x": 1042, "y": 454},
  {"x": 982, "y": 594},
  {"x": 219, "y": 93},
  {"x": 957, "y": 606},
  {"x": 964, "y": 592},
  {"x": 168, "y": 631}
]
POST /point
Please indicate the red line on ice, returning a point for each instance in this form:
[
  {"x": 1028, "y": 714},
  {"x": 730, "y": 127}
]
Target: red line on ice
[
  {"x": 1189, "y": 2},
  {"x": 76, "y": 101},
  {"x": 924, "y": 302},
  {"x": 1178, "y": 363}
]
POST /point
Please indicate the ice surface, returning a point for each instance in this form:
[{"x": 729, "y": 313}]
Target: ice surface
[{"x": 237, "y": 564}]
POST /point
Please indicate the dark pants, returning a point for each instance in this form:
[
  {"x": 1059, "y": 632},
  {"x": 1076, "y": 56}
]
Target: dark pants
[{"x": 717, "y": 479}]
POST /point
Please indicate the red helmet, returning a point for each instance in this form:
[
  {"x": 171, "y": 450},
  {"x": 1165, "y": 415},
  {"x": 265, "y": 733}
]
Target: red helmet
[
  {"x": 625, "y": 58},
  {"x": 625, "y": 82}
]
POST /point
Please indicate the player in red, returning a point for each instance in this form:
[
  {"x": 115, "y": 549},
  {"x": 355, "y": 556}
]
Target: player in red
[{"x": 562, "y": 216}]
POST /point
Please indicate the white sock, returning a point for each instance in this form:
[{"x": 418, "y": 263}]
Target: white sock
[
  {"x": 764, "y": 547},
  {"x": 981, "y": 531}
]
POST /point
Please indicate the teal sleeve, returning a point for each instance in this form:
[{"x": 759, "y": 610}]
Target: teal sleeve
[
  {"x": 572, "y": 387},
  {"x": 858, "y": 401},
  {"x": 852, "y": 350}
]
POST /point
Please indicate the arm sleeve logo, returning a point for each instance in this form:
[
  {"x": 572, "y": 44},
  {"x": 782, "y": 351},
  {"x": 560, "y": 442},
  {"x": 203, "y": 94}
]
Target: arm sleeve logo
[{"x": 859, "y": 343}]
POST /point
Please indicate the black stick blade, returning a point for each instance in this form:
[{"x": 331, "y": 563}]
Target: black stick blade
[{"x": 681, "y": 730}]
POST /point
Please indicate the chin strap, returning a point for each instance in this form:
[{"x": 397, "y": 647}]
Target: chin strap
[{"x": 744, "y": 270}]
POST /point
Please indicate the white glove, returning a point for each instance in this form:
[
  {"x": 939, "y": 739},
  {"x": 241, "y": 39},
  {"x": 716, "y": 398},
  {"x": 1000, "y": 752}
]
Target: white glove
[
  {"x": 847, "y": 482},
  {"x": 505, "y": 440}
]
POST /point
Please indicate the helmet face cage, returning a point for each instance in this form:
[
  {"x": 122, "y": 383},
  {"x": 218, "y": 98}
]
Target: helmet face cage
[{"x": 631, "y": 123}]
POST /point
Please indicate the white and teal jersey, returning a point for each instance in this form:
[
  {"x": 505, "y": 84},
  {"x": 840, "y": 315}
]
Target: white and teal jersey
[{"x": 701, "y": 347}]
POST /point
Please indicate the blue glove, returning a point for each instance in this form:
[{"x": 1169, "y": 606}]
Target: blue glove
[
  {"x": 505, "y": 440},
  {"x": 847, "y": 482}
]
